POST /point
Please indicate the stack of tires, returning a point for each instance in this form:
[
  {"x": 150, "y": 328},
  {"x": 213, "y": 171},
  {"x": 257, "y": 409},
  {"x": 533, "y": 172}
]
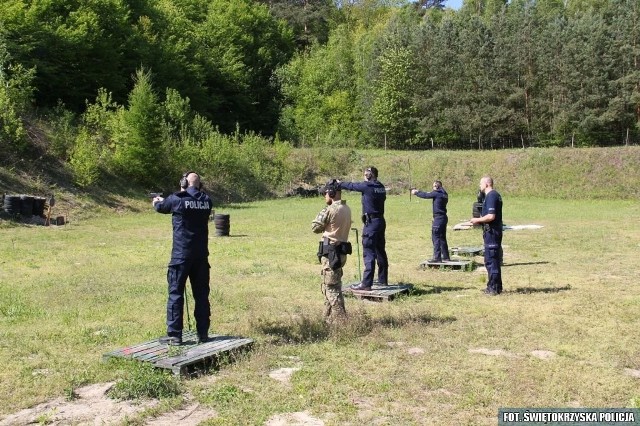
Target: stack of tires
[
  {"x": 11, "y": 204},
  {"x": 26, "y": 206},
  {"x": 477, "y": 210},
  {"x": 38, "y": 206},
  {"x": 223, "y": 224}
]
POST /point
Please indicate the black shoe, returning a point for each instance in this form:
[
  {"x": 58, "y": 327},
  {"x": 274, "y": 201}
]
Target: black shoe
[
  {"x": 490, "y": 292},
  {"x": 434, "y": 260},
  {"x": 446, "y": 260},
  {"x": 170, "y": 340},
  {"x": 203, "y": 337},
  {"x": 360, "y": 287}
]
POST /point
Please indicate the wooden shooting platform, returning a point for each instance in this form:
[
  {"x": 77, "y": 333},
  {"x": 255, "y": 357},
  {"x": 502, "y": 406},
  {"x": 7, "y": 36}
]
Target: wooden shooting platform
[
  {"x": 460, "y": 265},
  {"x": 464, "y": 226},
  {"x": 378, "y": 293},
  {"x": 188, "y": 358},
  {"x": 467, "y": 251}
]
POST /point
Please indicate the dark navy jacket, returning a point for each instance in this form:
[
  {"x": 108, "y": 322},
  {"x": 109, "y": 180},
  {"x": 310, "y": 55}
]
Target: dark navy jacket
[
  {"x": 373, "y": 195},
  {"x": 191, "y": 210},
  {"x": 440, "y": 200},
  {"x": 493, "y": 205}
]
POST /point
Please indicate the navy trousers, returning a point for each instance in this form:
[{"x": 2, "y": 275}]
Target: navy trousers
[
  {"x": 373, "y": 251},
  {"x": 439, "y": 238},
  {"x": 493, "y": 259},
  {"x": 197, "y": 270}
]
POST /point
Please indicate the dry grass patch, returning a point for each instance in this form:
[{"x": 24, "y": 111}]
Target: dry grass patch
[{"x": 69, "y": 295}]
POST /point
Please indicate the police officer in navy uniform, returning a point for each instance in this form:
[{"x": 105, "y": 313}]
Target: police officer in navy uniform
[
  {"x": 374, "y": 196},
  {"x": 439, "y": 225},
  {"x": 491, "y": 220},
  {"x": 190, "y": 209}
]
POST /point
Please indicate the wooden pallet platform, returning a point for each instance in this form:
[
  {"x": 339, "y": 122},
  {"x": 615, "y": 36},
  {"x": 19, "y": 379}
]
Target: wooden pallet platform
[
  {"x": 467, "y": 251},
  {"x": 461, "y": 265},
  {"x": 378, "y": 293},
  {"x": 464, "y": 226},
  {"x": 186, "y": 358}
]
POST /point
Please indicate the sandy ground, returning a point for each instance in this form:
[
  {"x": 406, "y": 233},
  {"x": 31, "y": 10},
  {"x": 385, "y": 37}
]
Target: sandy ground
[{"x": 93, "y": 407}]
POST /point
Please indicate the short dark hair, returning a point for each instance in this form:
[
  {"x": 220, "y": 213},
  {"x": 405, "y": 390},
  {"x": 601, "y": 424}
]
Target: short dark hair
[{"x": 372, "y": 170}]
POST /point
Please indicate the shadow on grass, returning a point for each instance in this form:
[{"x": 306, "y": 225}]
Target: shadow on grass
[
  {"x": 303, "y": 329},
  {"x": 234, "y": 206},
  {"x": 529, "y": 290},
  {"x": 544, "y": 262},
  {"x": 401, "y": 320},
  {"x": 435, "y": 289}
]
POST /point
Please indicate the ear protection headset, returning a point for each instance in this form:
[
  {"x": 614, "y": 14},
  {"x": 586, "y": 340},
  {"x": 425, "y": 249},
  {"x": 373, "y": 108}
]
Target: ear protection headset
[
  {"x": 331, "y": 188},
  {"x": 184, "y": 183},
  {"x": 371, "y": 172}
]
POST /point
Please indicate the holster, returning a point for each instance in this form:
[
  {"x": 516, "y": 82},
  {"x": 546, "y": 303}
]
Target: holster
[
  {"x": 365, "y": 218},
  {"x": 335, "y": 261},
  {"x": 345, "y": 248},
  {"x": 334, "y": 253}
]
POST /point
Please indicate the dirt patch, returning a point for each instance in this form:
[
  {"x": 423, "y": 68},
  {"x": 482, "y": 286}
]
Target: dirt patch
[
  {"x": 303, "y": 418},
  {"x": 544, "y": 355},
  {"x": 494, "y": 352},
  {"x": 283, "y": 375},
  {"x": 631, "y": 372},
  {"x": 415, "y": 351},
  {"x": 191, "y": 415},
  {"x": 92, "y": 406}
]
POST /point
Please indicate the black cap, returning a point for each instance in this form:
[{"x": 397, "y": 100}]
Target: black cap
[{"x": 331, "y": 186}]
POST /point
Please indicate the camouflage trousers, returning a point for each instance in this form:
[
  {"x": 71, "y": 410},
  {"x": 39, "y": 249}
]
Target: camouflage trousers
[{"x": 332, "y": 290}]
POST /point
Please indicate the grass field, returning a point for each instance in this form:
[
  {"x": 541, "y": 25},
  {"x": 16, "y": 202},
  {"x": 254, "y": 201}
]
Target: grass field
[{"x": 444, "y": 355}]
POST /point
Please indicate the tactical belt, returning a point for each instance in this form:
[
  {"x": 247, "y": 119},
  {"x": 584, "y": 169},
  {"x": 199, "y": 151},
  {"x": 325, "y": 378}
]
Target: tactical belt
[{"x": 375, "y": 215}]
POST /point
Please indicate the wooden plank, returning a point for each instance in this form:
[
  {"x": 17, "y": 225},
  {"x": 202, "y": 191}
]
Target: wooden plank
[
  {"x": 467, "y": 251},
  {"x": 464, "y": 225},
  {"x": 203, "y": 352},
  {"x": 186, "y": 357},
  {"x": 461, "y": 265},
  {"x": 378, "y": 293}
]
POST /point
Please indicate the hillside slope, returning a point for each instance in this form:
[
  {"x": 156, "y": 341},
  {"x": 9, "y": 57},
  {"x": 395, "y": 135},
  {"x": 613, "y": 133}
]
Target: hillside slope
[{"x": 583, "y": 173}]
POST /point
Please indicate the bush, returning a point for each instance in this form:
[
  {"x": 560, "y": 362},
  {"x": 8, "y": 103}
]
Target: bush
[
  {"x": 85, "y": 159},
  {"x": 146, "y": 382}
]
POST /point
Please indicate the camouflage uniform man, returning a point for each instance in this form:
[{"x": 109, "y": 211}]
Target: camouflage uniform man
[{"x": 334, "y": 221}]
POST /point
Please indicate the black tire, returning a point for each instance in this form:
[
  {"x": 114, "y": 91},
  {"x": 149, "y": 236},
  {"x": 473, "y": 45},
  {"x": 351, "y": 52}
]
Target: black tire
[
  {"x": 477, "y": 210},
  {"x": 26, "y": 205},
  {"x": 222, "y": 223},
  {"x": 38, "y": 206},
  {"x": 12, "y": 204}
]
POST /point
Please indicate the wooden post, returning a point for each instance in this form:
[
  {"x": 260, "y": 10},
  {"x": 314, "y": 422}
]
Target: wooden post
[{"x": 47, "y": 222}]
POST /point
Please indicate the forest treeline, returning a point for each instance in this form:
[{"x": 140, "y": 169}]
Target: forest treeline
[{"x": 145, "y": 89}]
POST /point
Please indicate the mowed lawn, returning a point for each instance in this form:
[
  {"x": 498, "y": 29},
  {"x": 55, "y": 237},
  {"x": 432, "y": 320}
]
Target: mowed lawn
[{"x": 563, "y": 334}]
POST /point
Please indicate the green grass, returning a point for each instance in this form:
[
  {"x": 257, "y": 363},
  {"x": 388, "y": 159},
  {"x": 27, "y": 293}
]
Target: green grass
[{"x": 70, "y": 294}]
